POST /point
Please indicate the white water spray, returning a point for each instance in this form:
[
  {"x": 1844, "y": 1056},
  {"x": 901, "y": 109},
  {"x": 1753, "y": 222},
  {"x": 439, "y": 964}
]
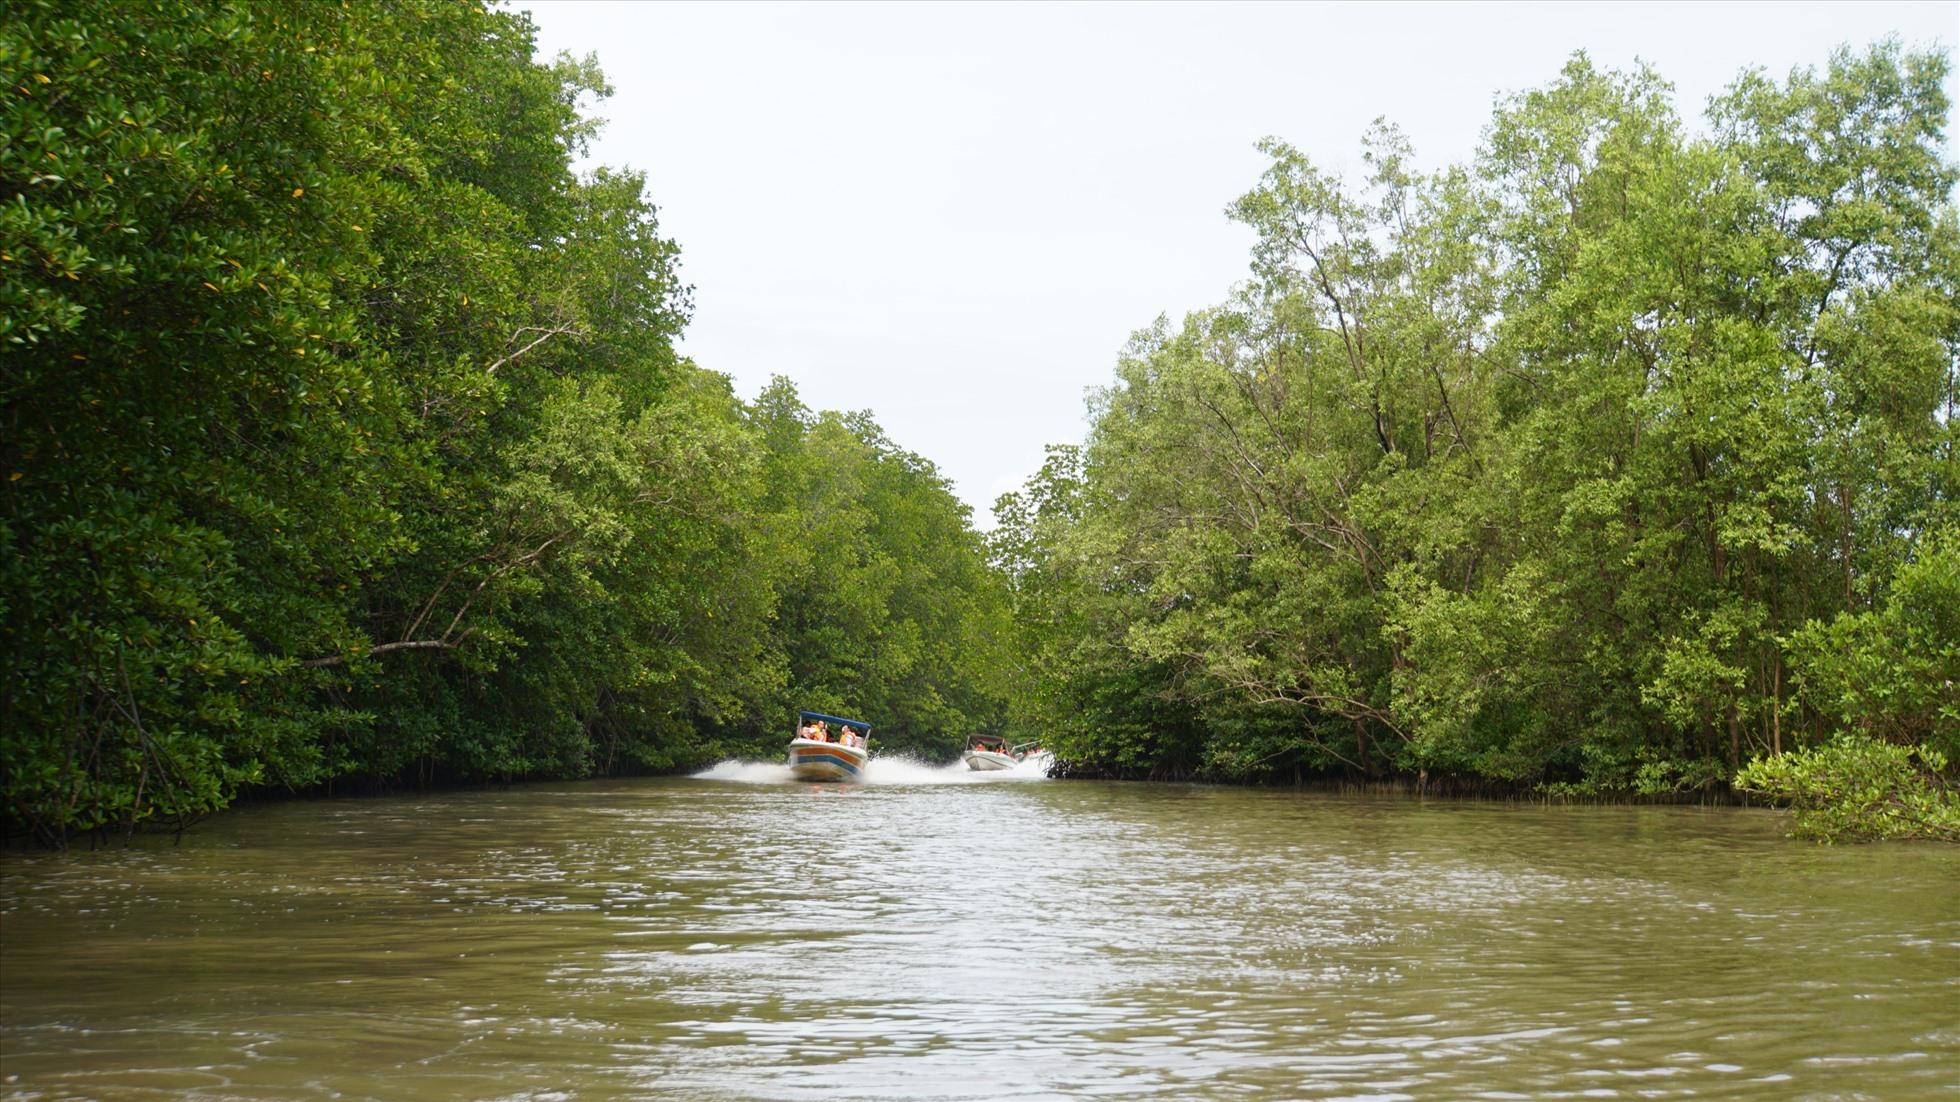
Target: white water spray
[
  {"x": 894, "y": 770},
  {"x": 745, "y": 772}
]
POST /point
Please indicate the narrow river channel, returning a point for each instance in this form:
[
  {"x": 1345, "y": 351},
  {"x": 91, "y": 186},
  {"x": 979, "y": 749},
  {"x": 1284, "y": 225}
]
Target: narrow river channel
[{"x": 937, "y": 935}]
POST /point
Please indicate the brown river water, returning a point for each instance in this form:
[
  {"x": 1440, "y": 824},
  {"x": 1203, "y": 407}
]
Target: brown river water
[{"x": 941, "y": 935}]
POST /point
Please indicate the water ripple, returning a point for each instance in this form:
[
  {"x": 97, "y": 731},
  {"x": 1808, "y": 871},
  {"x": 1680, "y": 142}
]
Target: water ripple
[{"x": 936, "y": 936}]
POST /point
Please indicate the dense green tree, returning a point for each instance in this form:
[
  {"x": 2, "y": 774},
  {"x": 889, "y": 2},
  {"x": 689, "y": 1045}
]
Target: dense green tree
[
  {"x": 344, "y": 439},
  {"x": 1582, "y": 466},
  {"x": 887, "y": 606},
  {"x": 195, "y": 429}
]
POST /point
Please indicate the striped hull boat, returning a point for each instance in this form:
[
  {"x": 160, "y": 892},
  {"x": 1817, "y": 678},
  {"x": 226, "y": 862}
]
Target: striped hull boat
[{"x": 825, "y": 761}]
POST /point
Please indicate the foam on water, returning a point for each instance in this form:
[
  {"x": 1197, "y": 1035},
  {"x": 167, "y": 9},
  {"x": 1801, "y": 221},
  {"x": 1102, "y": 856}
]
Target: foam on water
[
  {"x": 895, "y": 770},
  {"x": 746, "y": 772}
]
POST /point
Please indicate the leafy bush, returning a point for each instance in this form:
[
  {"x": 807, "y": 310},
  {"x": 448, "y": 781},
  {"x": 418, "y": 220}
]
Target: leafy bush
[{"x": 1857, "y": 789}]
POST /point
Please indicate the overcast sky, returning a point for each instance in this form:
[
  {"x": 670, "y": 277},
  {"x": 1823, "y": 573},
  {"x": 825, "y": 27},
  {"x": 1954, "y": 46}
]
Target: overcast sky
[{"x": 955, "y": 215}]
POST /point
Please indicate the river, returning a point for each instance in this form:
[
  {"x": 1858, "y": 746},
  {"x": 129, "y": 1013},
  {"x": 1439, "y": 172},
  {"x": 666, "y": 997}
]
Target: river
[{"x": 941, "y": 935}]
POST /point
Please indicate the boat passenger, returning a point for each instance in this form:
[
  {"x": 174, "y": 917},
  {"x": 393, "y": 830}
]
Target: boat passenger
[{"x": 847, "y": 736}]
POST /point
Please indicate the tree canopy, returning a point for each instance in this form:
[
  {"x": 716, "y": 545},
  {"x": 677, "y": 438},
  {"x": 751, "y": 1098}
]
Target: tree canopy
[
  {"x": 345, "y": 440},
  {"x": 1606, "y": 462}
]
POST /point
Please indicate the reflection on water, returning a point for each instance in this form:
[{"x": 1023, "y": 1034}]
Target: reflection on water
[{"x": 939, "y": 934}]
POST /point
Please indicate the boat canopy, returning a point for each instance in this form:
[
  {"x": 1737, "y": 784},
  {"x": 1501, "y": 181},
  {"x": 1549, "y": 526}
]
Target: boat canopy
[
  {"x": 857, "y": 724},
  {"x": 985, "y": 741}
]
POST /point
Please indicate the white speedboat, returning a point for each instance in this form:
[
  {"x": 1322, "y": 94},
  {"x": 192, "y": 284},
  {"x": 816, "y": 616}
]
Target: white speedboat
[
  {"x": 987, "y": 753},
  {"x": 829, "y": 748}
]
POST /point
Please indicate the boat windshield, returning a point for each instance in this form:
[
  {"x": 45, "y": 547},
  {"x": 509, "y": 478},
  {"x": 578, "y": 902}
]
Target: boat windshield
[
  {"x": 808, "y": 717},
  {"x": 834, "y": 725}
]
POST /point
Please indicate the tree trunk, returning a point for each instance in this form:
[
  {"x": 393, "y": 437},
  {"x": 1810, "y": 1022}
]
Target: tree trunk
[
  {"x": 1844, "y": 543},
  {"x": 1776, "y": 705},
  {"x": 1735, "y": 734}
]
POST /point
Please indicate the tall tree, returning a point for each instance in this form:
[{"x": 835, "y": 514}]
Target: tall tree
[{"x": 1548, "y": 469}]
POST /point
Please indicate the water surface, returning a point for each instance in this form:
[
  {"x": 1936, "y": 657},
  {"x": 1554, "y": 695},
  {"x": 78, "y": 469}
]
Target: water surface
[{"x": 941, "y": 935}]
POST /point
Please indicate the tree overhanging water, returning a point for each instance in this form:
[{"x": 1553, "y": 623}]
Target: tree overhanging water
[
  {"x": 1605, "y": 463},
  {"x": 346, "y": 442}
]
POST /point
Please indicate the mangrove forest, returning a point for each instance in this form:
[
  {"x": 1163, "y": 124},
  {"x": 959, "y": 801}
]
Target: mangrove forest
[{"x": 345, "y": 445}]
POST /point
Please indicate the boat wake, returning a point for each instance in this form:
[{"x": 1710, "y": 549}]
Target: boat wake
[
  {"x": 745, "y": 772},
  {"x": 897, "y": 770}
]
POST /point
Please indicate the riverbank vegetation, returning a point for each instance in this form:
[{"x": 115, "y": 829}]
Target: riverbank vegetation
[
  {"x": 345, "y": 443},
  {"x": 1604, "y": 464}
]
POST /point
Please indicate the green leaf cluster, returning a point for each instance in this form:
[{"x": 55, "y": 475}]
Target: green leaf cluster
[
  {"x": 1604, "y": 463},
  {"x": 1859, "y": 789},
  {"x": 342, "y": 438}
]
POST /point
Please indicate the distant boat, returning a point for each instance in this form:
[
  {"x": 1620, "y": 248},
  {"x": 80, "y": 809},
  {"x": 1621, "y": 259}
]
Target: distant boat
[
  {"x": 989, "y": 752},
  {"x": 828, "y": 748}
]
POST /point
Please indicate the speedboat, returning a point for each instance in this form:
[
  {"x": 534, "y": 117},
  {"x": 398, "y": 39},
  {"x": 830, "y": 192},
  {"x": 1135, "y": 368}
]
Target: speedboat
[
  {"x": 828, "y": 748},
  {"x": 988, "y": 752}
]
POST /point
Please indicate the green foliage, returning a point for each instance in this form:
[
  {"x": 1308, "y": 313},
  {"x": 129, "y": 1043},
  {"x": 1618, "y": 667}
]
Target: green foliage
[
  {"x": 193, "y": 426},
  {"x": 343, "y": 440},
  {"x": 1893, "y": 672},
  {"x": 1602, "y": 464},
  {"x": 1858, "y": 789},
  {"x": 887, "y": 607}
]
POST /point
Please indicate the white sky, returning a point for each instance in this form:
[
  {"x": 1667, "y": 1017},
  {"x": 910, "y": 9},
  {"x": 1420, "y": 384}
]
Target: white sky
[{"x": 954, "y": 215}]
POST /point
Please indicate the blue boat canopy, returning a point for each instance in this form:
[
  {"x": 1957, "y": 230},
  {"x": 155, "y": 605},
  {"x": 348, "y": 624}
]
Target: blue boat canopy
[{"x": 856, "y": 724}]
